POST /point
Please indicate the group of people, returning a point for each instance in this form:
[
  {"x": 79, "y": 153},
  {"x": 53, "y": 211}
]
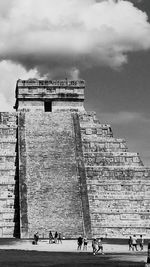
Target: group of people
[
  {"x": 82, "y": 242},
  {"x": 56, "y": 238},
  {"x": 133, "y": 243},
  {"x": 97, "y": 244}
]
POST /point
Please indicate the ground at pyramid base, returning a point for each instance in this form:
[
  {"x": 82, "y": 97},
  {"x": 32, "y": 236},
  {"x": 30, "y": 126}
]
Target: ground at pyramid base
[{"x": 23, "y": 253}]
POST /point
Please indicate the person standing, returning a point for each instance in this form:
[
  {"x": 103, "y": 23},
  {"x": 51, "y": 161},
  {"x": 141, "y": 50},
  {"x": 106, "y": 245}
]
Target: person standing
[
  {"x": 94, "y": 246},
  {"x": 59, "y": 238},
  {"x": 50, "y": 237},
  {"x": 141, "y": 242},
  {"x": 56, "y": 237},
  {"x": 36, "y": 238},
  {"x": 100, "y": 245},
  {"x": 130, "y": 243},
  {"x": 134, "y": 243},
  {"x": 85, "y": 242},
  {"x": 79, "y": 241}
]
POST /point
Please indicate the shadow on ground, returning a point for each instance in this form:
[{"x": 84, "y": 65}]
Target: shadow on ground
[{"x": 20, "y": 258}]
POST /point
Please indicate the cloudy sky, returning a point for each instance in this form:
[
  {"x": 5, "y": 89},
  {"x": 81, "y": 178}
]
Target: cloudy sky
[{"x": 105, "y": 42}]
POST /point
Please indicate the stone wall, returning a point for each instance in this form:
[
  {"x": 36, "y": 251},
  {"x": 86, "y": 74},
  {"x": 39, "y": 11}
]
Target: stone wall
[
  {"x": 50, "y": 196},
  {"x": 118, "y": 184},
  {"x": 9, "y": 220}
]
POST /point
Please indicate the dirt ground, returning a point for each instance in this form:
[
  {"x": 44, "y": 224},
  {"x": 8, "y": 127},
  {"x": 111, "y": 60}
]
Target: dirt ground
[
  {"x": 24, "y": 254},
  {"x": 21, "y": 258}
]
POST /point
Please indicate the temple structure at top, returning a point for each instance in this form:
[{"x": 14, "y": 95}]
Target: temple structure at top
[{"x": 51, "y": 95}]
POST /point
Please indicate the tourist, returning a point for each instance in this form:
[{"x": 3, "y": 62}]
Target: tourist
[
  {"x": 79, "y": 241},
  {"x": 59, "y": 238},
  {"x": 134, "y": 243},
  {"x": 56, "y": 237},
  {"x": 50, "y": 237},
  {"x": 94, "y": 246},
  {"x": 100, "y": 245},
  {"x": 36, "y": 238},
  {"x": 85, "y": 242},
  {"x": 130, "y": 243},
  {"x": 141, "y": 242}
]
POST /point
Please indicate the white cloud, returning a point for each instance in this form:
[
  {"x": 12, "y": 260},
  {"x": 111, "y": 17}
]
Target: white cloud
[
  {"x": 51, "y": 34},
  {"x": 4, "y": 104},
  {"x": 64, "y": 36},
  {"x": 9, "y": 74}
]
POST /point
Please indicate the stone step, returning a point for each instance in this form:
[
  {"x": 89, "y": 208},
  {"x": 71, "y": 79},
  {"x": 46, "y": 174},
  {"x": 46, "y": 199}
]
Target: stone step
[
  {"x": 93, "y": 125},
  {"x": 120, "y": 210},
  {"x": 111, "y": 154},
  {"x": 104, "y": 145},
  {"x": 7, "y": 167},
  {"x": 7, "y": 133},
  {"x": 7, "y": 160},
  {"x": 7, "y": 148},
  {"x": 8, "y": 181},
  {"x": 107, "y": 159},
  {"x": 7, "y": 154},
  {"x": 6, "y": 210},
  {"x": 99, "y": 224},
  {"x": 122, "y": 196},
  {"x": 98, "y": 130},
  {"x": 8, "y": 140},
  {"x": 139, "y": 169},
  {"x": 7, "y": 224},
  {"x": 7, "y": 173},
  {"x": 8, "y": 120},
  {"x": 99, "y": 139},
  {"x": 96, "y": 133}
]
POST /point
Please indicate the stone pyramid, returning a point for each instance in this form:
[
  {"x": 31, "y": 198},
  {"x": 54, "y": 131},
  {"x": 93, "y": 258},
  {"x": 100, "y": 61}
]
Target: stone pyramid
[{"x": 61, "y": 169}]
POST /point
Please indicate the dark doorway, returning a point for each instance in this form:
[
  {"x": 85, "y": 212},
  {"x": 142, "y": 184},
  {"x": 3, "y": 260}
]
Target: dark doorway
[{"x": 48, "y": 106}]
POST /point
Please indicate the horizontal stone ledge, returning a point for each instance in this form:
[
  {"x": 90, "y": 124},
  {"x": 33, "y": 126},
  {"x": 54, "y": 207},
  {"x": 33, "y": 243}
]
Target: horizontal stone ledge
[
  {"x": 114, "y": 198},
  {"x": 99, "y": 139},
  {"x": 112, "y": 153},
  {"x": 6, "y": 152},
  {"x": 7, "y": 168},
  {"x": 6, "y": 210},
  {"x": 118, "y": 182},
  {"x": 117, "y": 164},
  {"x": 120, "y": 168},
  {"x": 120, "y": 197},
  {"x": 120, "y": 213},
  {"x": 7, "y": 140},
  {"x": 8, "y": 155},
  {"x": 12, "y": 126},
  {"x": 7, "y": 183},
  {"x": 4, "y": 224},
  {"x": 120, "y": 227},
  {"x": 9, "y": 172},
  {"x": 88, "y": 124},
  {"x": 7, "y": 197}
]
